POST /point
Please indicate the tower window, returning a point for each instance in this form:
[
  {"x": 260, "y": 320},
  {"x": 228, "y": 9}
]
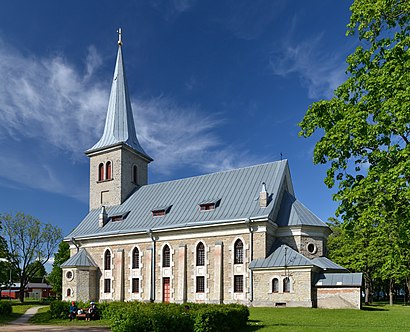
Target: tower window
[
  {"x": 238, "y": 252},
  {"x": 101, "y": 172},
  {"x": 107, "y": 260},
  {"x": 135, "y": 174},
  {"x": 108, "y": 170},
  {"x": 166, "y": 256},
  {"x": 135, "y": 258},
  {"x": 200, "y": 254}
]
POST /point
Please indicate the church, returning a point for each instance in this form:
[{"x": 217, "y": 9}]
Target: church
[{"x": 237, "y": 236}]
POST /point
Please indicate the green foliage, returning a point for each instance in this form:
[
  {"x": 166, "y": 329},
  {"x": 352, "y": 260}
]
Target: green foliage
[
  {"x": 28, "y": 240},
  {"x": 5, "y": 308},
  {"x": 138, "y": 316},
  {"x": 366, "y": 133},
  {"x": 59, "y": 309},
  {"x": 56, "y": 275}
]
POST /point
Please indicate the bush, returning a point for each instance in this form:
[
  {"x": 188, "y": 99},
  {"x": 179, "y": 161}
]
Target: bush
[
  {"x": 5, "y": 308},
  {"x": 59, "y": 309},
  {"x": 164, "y": 317}
]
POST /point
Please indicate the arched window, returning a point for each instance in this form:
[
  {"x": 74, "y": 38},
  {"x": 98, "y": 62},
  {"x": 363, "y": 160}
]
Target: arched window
[
  {"x": 135, "y": 174},
  {"x": 135, "y": 258},
  {"x": 68, "y": 291},
  {"x": 200, "y": 254},
  {"x": 238, "y": 258},
  {"x": 275, "y": 285},
  {"x": 107, "y": 260},
  {"x": 166, "y": 256},
  {"x": 101, "y": 172},
  {"x": 108, "y": 170},
  {"x": 286, "y": 285}
]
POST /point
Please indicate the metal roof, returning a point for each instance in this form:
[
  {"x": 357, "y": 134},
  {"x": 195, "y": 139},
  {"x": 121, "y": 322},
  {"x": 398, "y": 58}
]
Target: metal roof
[
  {"x": 81, "y": 258},
  {"x": 282, "y": 256},
  {"x": 236, "y": 189},
  {"x": 294, "y": 213},
  {"x": 326, "y": 264},
  {"x": 119, "y": 124},
  {"x": 339, "y": 279}
]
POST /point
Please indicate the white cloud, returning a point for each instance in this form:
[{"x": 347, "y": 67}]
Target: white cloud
[
  {"x": 320, "y": 72},
  {"x": 52, "y": 110}
]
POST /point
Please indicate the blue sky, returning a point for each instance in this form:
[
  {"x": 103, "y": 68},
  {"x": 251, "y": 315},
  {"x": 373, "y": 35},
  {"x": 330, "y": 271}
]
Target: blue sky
[{"x": 214, "y": 85}]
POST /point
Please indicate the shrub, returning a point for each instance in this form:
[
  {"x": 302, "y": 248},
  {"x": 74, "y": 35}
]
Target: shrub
[
  {"x": 59, "y": 309},
  {"x": 5, "y": 308},
  {"x": 164, "y": 317}
]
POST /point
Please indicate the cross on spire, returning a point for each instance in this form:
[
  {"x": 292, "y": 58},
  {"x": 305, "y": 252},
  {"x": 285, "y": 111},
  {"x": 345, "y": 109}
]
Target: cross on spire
[{"x": 119, "y": 36}]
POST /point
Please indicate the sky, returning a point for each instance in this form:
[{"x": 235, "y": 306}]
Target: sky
[{"x": 214, "y": 85}]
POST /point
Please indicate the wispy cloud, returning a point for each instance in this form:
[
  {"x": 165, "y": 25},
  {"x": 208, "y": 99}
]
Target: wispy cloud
[
  {"x": 172, "y": 8},
  {"x": 50, "y": 110},
  {"x": 320, "y": 72}
]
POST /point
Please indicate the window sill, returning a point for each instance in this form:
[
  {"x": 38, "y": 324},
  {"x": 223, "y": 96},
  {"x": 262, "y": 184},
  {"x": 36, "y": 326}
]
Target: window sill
[{"x": 108, "y": 180}]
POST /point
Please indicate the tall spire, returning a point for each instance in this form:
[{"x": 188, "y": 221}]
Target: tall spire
[{"x": 119, "y": 124}]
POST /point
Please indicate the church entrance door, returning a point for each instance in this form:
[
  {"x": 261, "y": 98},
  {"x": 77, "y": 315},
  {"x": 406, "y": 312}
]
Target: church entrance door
[{"x": 166, "y": 290}]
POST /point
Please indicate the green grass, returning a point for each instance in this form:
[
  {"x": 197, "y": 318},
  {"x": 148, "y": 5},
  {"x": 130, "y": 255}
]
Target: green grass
[
  {"x": 43, "y": 317},
  {"x": 371, "y": 318},
  {"x": 18, "y": 310}
]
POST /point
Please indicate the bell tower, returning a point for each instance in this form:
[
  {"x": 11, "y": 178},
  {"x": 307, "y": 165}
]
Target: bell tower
[{"x": 118, "y": 163}]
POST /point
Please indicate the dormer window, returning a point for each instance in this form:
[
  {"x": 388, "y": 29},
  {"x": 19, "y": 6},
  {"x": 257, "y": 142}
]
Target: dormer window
[
  {"x": 161, "y": 211},
  {"x": 207, "y": 206},
  {"x": 118, "y": 216},
  {"x": 210, "y": 204}
]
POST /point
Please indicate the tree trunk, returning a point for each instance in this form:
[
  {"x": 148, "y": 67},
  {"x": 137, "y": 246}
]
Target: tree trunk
[
  {"x": 391, "y": 291},
  {"x": 21, "y": 294}
]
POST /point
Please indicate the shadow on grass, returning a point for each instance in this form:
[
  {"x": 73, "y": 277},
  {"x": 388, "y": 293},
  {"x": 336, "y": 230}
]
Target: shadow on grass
[{"x": 373, "y": 308}]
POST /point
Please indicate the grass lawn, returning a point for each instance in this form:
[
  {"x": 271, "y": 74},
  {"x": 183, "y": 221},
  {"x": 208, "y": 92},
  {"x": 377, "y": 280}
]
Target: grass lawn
[
  {"x": 18, "y": 310},
  {"x": 371, "y": 318},
  {"x": 43, "y": 318}
]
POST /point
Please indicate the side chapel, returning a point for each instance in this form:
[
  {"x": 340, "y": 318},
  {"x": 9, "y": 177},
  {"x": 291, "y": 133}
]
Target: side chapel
[{"x": 234, "y": 236}]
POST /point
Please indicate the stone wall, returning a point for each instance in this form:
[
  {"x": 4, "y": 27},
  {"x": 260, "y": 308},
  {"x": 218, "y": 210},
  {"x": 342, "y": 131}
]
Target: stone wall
[
  {"x": 219, "y": 269},
  {"x": 339, "y": 297},
  {"x": 300, "y": 294}
]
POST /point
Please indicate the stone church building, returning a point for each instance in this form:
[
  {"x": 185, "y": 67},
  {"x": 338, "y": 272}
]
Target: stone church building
[{"x": 234, "y": 236}]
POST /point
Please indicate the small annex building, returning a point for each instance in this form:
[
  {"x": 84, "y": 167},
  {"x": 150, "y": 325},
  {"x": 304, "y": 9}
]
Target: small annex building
[{"x": 233, "y": 236}]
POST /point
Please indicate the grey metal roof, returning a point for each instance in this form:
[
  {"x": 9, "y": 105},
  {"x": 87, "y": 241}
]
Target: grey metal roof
[
  {"x": 282, "y": 256},
  {"x": 81, "y": 258},
  {"x": 119, "y": 124},
  {"x": 236, "y": 189},
  {"x": 339, "y": 279},
  {"x": 294, "y": 213},
  {"x": 326, "y": 264}
]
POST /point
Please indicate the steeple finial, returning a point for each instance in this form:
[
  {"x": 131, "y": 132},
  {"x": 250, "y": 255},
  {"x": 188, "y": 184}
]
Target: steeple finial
[{"x": 119, "y": 36}]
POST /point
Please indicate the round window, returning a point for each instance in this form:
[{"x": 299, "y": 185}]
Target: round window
[
  {"x": 311, "y": 247},
  {"x": 69, "y": 275}
]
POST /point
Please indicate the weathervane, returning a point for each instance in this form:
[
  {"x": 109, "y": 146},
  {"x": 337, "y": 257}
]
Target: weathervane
[{"x": 119, "y": 36}]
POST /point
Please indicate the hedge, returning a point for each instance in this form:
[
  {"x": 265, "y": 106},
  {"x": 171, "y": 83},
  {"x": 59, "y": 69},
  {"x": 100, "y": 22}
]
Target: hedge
[
  {"x": 5, "y": 308},
  {"x": 164, "y": 317}
]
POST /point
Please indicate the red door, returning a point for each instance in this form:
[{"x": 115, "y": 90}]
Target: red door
[{"x": 166, "y": 289}]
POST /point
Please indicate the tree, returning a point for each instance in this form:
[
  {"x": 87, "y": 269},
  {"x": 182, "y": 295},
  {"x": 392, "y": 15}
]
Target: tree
[
  {"x": 56, "y": 275},
  {"x": 365, "y": 132},
  {"x": 28, "y": 241},
  {"x": 40, "y": 273}
]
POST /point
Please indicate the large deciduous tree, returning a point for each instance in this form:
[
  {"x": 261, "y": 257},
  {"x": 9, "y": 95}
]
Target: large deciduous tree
[
  {"x": 365, "y": 132},
  {"x": 56, "y": 277},
  {"x": 28, "y": 241}
]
